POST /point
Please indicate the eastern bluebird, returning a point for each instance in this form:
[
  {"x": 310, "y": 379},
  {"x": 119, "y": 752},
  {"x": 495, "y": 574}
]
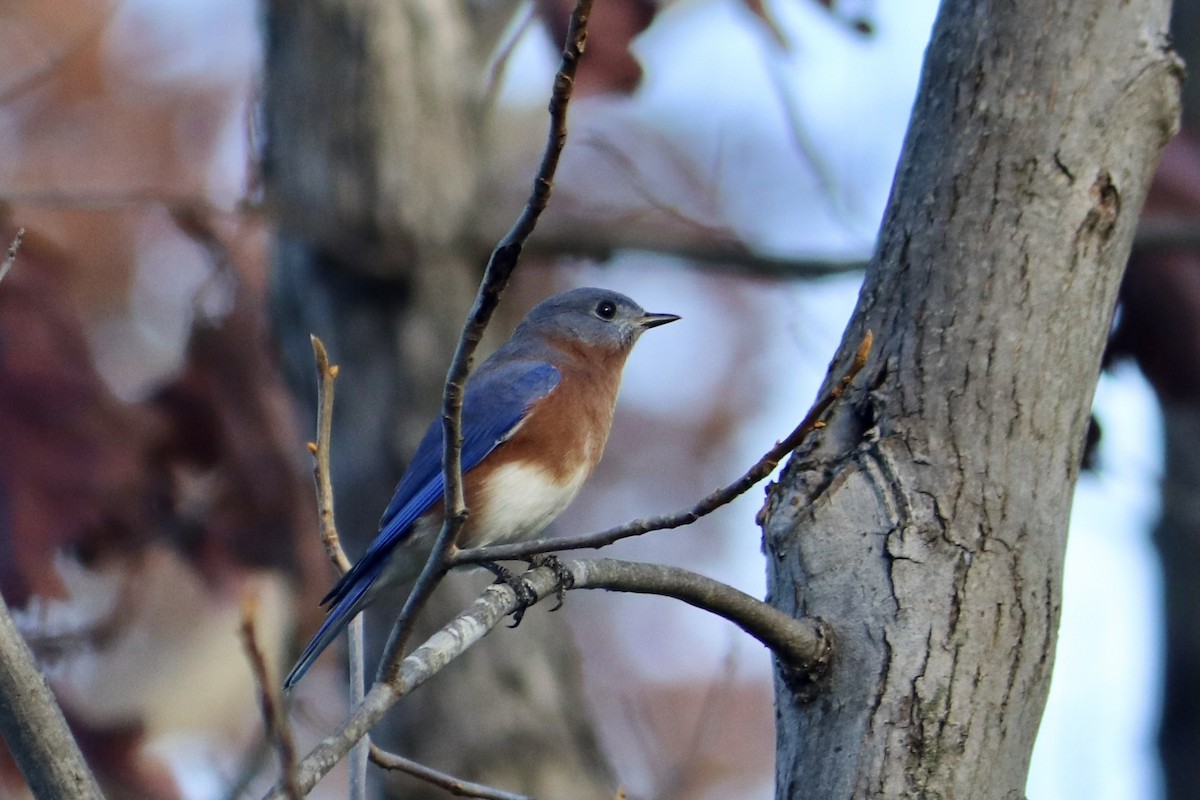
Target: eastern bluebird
[{"x": 535, "y": 418}]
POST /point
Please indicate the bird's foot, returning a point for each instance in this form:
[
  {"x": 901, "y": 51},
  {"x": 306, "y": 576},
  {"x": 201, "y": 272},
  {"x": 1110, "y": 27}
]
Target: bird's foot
[
  {"x": 526, "y": 596},
  {"x": 565, "y": 580}
]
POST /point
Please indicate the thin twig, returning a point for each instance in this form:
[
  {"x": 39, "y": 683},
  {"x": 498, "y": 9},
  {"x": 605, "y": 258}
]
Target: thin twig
[
  {"x": 726, "y": 256},
  {"x": 499, "y": 268},
  {"x": 623, "y": 163},
  {"x": 455, "y": 786},
  {"x": 425, "y": 661},
  {"x": 359, "y": 754},
  {"x": 33, "y": 726},
  {"x": 271, "y": 702},
  {"x": 134, "y": 200},
  {"x": 11, "y": 254},
  {"x": 525, "y": 16},
  {"x": 326, "y": 375},
  {"x": 571, "y": 237},
  {"x": 806, "y": 146},
  {"x": 764, "y": 467}
]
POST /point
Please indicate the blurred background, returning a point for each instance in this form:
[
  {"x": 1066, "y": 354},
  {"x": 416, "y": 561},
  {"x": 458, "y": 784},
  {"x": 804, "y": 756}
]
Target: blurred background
[{"x": 204, "y": 184}]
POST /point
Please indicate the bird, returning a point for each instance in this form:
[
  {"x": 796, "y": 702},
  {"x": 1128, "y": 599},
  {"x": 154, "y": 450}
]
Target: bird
[{"x": 536, "y": 415}]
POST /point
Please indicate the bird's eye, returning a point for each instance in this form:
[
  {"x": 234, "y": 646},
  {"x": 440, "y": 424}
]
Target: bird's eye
[{"x": 606, "y": 309}]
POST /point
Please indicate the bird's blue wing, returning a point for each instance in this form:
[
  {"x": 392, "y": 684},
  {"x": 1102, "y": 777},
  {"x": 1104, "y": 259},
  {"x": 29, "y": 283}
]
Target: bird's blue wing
[{"x": 496, "y": 400}]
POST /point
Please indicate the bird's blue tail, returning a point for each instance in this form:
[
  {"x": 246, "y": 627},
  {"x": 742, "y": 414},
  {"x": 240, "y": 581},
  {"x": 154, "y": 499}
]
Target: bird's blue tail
[{"x": 339, "y": 617}]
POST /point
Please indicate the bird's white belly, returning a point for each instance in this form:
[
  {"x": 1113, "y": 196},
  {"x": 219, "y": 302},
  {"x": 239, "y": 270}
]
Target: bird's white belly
[{"x": 520, "y": 500}]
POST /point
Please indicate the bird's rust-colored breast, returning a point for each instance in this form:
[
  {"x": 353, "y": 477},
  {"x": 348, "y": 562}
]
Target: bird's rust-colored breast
[
  {"x": 558, "y": 445},
  {"x": 567, "y": 430}
]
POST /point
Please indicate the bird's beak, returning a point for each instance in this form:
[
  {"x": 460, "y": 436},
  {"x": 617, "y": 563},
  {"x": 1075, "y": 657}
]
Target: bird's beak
[{"x": 647, "y": 321}]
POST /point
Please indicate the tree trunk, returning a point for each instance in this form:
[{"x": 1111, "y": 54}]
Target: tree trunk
[
  {"x": 373, "y": 118},
  {"x": 928, "y": 524}
]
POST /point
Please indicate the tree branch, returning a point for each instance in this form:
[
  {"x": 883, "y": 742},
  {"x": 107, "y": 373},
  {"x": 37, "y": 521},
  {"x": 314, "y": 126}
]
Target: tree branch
[
  {"x": 726, "y": 257},
  {"x": 440, "y": 649},
  {"x": 11, "y": 254},
  {"x": 802, "y": 645},
  {"x": 31, "y": 721},
  {"x": 326, "y": 375},
  {"x": 455, "y": 786},
  {"x": 271, "y": 704},
  {"x": 764, "y": 467}
]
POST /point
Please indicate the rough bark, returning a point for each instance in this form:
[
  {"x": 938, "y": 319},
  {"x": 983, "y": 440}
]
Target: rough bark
[
  {"x": 373, "y": 115},
  {"x": 33, "y": 726},
  {"x": 928, "y": 527}
]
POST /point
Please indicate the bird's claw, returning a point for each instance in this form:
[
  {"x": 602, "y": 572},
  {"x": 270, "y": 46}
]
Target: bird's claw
[
  {"x": 526, "y": 596},
  {"x": 564, "y": 579}
]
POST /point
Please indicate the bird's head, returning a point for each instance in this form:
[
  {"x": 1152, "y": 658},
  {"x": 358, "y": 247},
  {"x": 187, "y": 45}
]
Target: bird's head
[{"x": 590, "y": 317}]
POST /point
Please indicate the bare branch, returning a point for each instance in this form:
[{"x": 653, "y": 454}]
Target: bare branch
[
  {"x": 133, "y": 200},
  {"x": 455, "y": 786},
  {"x": 499, "y": 268},
  {"x": 423, "y": 663},
  {"x": 802, "y": 139},
  {"x": 799, "y": 643},
  {"x": 764, "y": 467},
  {"x": 729, "y": 257},
  {"x": 33, "y": 724},
  {"x": 271, "y": 703},
  {"x": 517, "y": 28},
  {"x": 11, "y": 254},
  {"x": 326, "y": 375},
  {"x": 802, "y": 645},
  {"x": 360, "y": 753}
]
